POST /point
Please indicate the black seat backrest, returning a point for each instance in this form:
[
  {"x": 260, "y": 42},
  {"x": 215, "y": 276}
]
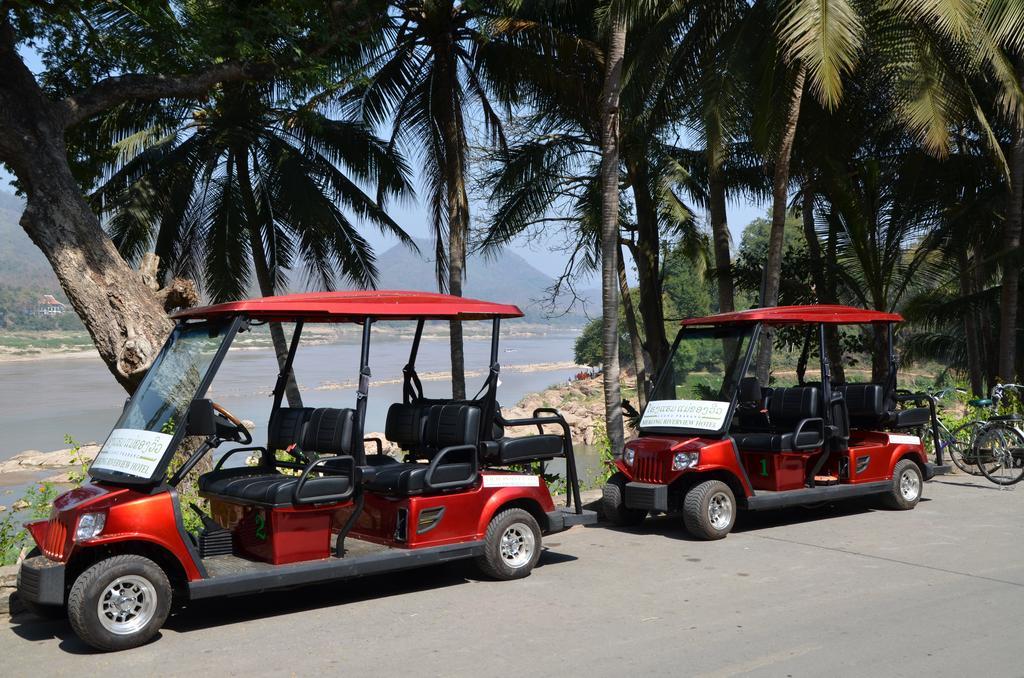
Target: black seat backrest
[
  {"x": 787, "y": 406},
  {"x": 329, "y": 431},
  {"x": 865, "y": 403},
  {"x": 405, "y": 425},
  {"x": 452, "y": 424},
  {"x": 286, "y": 427}
]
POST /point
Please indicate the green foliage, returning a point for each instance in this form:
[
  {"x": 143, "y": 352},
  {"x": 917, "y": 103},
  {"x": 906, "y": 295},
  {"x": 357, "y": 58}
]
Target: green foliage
[{"x": 589, "y": 349}]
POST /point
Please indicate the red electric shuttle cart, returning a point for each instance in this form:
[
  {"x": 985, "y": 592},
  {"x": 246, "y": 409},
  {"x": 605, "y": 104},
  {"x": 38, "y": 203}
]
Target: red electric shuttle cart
[
  {"x": 710, "y": 447},
  {"x": 115, "y": 551}
]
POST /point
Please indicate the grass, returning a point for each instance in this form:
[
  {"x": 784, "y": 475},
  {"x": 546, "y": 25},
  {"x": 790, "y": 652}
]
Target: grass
[{"x": 29, "y": 342}]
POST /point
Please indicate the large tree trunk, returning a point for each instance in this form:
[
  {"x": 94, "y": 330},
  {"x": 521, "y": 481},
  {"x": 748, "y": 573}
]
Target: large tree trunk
[
  {"x": 610, "y": 233},
  {"x": 639, "y": 359},
  {"x": 647, "y": 254},
  {"x": 1008, "y": 302},
  {"x": 825, "y": 293},
  {"x": 125, "y": 319},
  {"x": 264, "y": 276},
  {"x": 780, "y": 199},
  {"x": 974, "y": 366},
  {"x": 720, "y": 238}
]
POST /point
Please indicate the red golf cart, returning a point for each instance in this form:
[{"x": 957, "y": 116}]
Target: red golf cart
[
  {"x": 316, "y": 507},
  {"x": 718, "y": 436}
]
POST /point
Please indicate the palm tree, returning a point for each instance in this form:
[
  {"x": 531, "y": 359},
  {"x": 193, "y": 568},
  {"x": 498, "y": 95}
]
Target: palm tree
[
  {"x": 427, "y": 78},
  {"x": 247, "y": 183}
]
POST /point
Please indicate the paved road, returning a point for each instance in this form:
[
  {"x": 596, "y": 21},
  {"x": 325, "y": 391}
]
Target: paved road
[{"x": 936, "y": 591}]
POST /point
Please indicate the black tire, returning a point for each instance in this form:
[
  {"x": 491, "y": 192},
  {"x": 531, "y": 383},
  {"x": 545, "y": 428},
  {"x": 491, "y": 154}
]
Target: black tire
[
  {"x": 508, "y": 533},
  {"x": 709, "y": 510},
  {"x": 1000, "y": 450},
  {"x": 613, "y": 503},
  {"x": 147, "y": 588},
  {"x": 906, "y": 486}
]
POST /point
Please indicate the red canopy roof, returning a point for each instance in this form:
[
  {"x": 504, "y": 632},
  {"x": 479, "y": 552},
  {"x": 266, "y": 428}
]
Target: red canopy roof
[
  {"x": 354, "y": 306},
  {"x": 791, "y": 315}
]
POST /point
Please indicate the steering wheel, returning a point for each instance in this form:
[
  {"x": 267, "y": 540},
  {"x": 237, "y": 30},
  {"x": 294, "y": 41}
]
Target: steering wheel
[{"x": 234, "y": 426}]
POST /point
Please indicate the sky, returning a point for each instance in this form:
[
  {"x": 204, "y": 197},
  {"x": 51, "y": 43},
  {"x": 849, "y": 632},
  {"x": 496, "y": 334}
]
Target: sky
[{"x": 544, "y": 251}]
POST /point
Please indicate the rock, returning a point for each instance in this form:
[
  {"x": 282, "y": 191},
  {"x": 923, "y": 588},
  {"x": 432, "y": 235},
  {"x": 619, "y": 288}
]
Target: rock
[
  {"x": 34, "y": 459},
  {"x": 2, "y": 508},
  {"x": 389, "y": 448},
  {"x": 20, "y": 505}
]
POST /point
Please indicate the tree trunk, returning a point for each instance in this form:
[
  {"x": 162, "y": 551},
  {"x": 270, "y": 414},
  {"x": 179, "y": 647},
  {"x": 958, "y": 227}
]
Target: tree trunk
[
  {"x": 780, "y": 195},
  {"x": 125, "y": 319},
  {"x": 974, "y": 368},
  {"x": 610, "y": 233},
  {"x": 720, "y": 239},
  {"x": 458, "y": 208},
  {"x": 824, "y": 292},
  {"x": 639, "y": 359},
  {"x": 1008, "y": 301},
  {"x": 263, "y": 275},
  {"x": 647, "y": 254}
]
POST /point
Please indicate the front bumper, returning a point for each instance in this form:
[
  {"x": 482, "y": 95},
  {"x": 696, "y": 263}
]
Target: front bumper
[
  {"x": 41, "y": 581},
  {"x": 931, "y": 470},
  {"x": 647, "y": 496}
]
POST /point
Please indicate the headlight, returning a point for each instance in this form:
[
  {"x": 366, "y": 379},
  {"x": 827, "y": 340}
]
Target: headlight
[
  {"x": 90, "y": 525},
  {"x": 684, "y": 460},
  {"x": 627, "y": 456}
]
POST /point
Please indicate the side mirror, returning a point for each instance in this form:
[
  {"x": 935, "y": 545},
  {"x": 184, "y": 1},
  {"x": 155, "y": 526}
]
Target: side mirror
[{"x": 201, "y": 420}]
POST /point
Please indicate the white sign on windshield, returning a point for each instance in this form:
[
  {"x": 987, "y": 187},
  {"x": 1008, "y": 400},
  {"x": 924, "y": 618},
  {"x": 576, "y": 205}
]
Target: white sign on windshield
[
  {"x": 132, "y": 451},
  {"x": 706, "y": 415}
]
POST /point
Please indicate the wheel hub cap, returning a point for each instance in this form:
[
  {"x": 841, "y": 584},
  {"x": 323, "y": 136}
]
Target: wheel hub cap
[
  {"x": 517, "y": 545},
  {"x": 127, "y": 605},
  {"x": 910, "y": 485},
  {"x": 720, "y": 511}
]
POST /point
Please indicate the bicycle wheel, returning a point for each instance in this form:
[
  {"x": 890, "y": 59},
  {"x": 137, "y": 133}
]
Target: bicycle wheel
[
  {"x": 957, "y": 444},
  {"x": 1000, "y": 453}
]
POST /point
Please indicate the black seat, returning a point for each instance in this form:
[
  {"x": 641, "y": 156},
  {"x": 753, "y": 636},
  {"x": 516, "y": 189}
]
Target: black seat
[
  {"x": 752, "y": 405},
  {"x": 428, "y": 431},
  {"x": 794, "y": 414},
  {"x": 538, "y": 447},
  {"x": 870, "y": 409},
  {"x": 323, "y": 430}
]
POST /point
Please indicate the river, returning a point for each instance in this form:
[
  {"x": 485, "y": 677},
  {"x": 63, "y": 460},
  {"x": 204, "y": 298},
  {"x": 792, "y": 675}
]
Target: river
[{"x": 43, "y": 400}]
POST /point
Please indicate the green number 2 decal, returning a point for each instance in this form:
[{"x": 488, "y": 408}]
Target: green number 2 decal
[
  {"x": 764, "y": 466},
  {"x": 261, "y": 527}
]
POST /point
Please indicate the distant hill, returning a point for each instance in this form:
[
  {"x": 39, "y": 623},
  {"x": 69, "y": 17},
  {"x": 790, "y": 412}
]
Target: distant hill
[
  {"x": 506, "y": 277},
  {"x": 21, "y": 262}
]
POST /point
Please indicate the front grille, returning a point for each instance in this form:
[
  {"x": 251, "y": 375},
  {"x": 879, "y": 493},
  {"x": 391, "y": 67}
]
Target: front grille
[
  {"x": 56, "y": 535},
  {"x": 647, "y": 468}
]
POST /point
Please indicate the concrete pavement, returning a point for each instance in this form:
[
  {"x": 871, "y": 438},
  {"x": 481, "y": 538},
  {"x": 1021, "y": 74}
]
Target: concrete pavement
[{"x": 844, "y": 590}]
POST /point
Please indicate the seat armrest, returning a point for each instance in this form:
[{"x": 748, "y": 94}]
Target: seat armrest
[
  {"x": 819, "y": 427},
  {"x": 428, "y": 479},
  {"x": 350, "y": 469},
  {"x": 220, "y": 462}
]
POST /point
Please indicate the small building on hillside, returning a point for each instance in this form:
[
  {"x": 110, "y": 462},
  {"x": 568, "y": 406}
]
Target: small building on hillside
[{"x": 47, "y": 305}]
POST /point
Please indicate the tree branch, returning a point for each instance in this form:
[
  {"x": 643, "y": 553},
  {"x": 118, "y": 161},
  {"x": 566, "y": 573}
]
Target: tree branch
[{"x": 118, "y": 89}]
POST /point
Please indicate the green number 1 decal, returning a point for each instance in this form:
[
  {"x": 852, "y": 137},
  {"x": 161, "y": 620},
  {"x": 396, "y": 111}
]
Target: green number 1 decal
[{"x": 764, "y": 466}]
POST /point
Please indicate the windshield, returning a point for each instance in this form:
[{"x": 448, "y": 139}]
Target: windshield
[
  {"x": 695, "y": 391},
  {"x": 147, "y": 426}
]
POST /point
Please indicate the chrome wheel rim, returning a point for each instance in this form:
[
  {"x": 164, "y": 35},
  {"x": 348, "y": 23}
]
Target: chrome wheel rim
[
  {"x": 720, "y": 510},
  {"x": 127, "y": 605},
  {"x": 910, "y": 485},
  {"x": 517, "y": 545}
]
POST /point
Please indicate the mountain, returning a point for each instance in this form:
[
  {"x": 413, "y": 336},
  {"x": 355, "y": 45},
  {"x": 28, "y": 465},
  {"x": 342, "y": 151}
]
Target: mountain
[
  {"x": 21, "y": 262},
  {"x": 504, "y": 277}
]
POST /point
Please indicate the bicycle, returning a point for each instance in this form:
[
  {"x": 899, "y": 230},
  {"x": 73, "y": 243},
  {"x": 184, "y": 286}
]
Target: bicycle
[
  {"x": 957, "y": 442},
  {"x": 998, "y": 444}
]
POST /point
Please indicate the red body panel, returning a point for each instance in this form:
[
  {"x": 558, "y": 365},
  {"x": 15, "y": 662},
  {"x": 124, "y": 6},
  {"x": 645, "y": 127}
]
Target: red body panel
[
  {"x": 874, "y": 453},
  {"x": 465, "y": 518},
  {"x": 131, "y": 516},
  {"x": 279, "y": 535},
  {"x": 357, "y": 305}
]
